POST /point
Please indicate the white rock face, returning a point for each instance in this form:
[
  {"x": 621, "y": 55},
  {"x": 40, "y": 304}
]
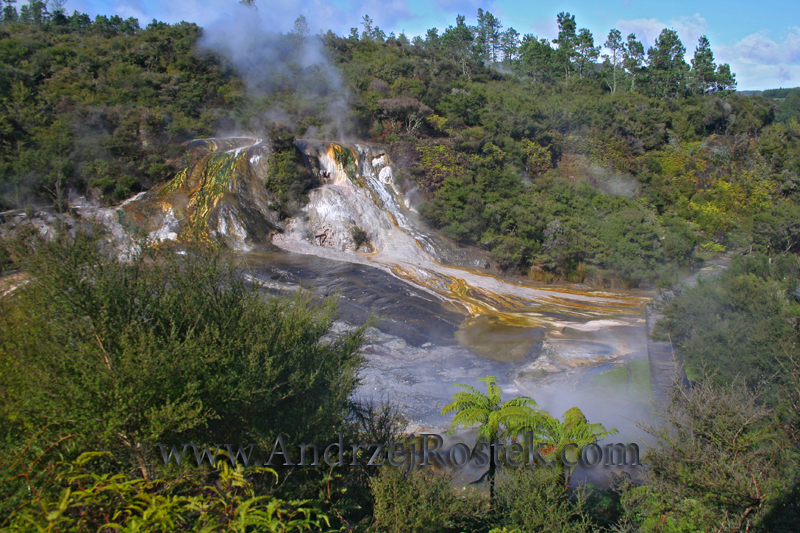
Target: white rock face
[
  {"x": 358, "y": 196},
  {"x": 231, "y": 230},
  {"x": 169, "y": 229}
]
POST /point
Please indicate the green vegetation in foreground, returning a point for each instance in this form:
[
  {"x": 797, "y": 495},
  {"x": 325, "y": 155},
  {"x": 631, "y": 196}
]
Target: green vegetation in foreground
[{"x": 102, "y": 360}]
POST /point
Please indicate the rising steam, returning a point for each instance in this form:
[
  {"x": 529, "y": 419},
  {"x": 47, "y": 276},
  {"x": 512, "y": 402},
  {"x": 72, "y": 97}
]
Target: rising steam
[{"x": 288, "y": 76}]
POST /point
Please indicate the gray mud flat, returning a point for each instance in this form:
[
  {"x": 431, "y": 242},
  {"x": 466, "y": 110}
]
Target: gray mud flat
[{"x": 414, "y": 358}]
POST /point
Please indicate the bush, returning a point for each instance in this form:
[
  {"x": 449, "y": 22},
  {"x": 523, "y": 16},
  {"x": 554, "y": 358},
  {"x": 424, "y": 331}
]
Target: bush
[
  {"x": 79, "y": 500},
  {"x": 719, "y": 462},
  {"x": 359, "y": 236},
  {"x": 166, "y": 349},
  {"x": 532, "y": 500},
  {"x": 419, "y": 502}
]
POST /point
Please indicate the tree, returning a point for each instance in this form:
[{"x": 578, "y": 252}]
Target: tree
[
  {"x": 58, "y": 6},
  {"x": 718, "y": 463},
  {"x": 574, "y": 429},
  {"x": 724, "y": 78},
  {"x": 432, "y": 39},
  {"x": 10, "y": 12},
  {"x": 409, "y": 110},
  {"x": 667, "y": 67},
  {"x": 536, "y": 58},
  {"x": 481, "y": 37},
  {"x": 300, "y": 31},
  {"x": 703, "y": 67},
  {"x": 566, "y": 41},
  {"x": 509, "y": 45},
  {"x": 587, "y": 51},
  {"x": 633, "y": 58},
  {"x": 487, "y": 37},
  {"x": 617, "y": 47},
  {"x": 495, "y": 420},
  {"x": 493, "y": 27},
  {"x": 458, "y": 40},
  {"x": 367, "y": 23}
]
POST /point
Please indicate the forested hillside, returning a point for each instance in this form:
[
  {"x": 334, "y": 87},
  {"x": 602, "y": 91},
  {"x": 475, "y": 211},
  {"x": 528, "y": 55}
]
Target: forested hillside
[
  {"x": 564, "y": 164},
  {"x": 787, "y": 99},
  {"x": 624, "y": 169}
]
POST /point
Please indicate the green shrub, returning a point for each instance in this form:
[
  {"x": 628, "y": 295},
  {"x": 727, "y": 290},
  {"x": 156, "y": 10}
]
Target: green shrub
[
  {"x": 420, "y": 502},
  {"x": 79, "y": 500},
  {"x": 166, "y": 349},
  {"x": 532, "y": 500}
]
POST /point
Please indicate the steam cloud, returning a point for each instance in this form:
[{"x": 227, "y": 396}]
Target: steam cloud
[{"x": 272, "y": 64}]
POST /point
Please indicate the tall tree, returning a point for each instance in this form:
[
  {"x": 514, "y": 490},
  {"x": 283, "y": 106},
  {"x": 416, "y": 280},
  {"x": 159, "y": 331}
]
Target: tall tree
[
  {"x": 9, "y": 12},
  {"x": 493, "y": 26},
  {"x": 495, "y": 420},
  {"x": 509, "y": 45},
  {"x": 432, "y": 39},
  {"x": 300, "y": 32},
  {"x": 487, "y": 37},
  {"x": 667, "y": 66},
  {"x": 458, "y": 41},
  {"x": 367, "y": 24},
  {"x": 536, "y": 58},
  {"x": 703, "y": 67},
  {"x": 481, "y": 37},
  {"x": 587, "y": 51},
  {"x": 724, "y": 78},
  {"x": 633, "y": 58},
  {"x": 616, "y": 48},
  {"x": 566, "y": 41}
]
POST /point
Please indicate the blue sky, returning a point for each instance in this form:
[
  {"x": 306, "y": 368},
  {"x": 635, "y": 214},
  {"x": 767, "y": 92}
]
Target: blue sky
[{"x": 760, "y": 40}]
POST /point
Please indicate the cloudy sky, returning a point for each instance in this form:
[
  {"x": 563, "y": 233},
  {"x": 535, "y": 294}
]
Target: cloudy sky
[{"x": 761, "y": 41}]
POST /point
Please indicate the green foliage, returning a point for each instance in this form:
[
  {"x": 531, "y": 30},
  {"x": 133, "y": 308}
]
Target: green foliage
[
  {"x": 513, "y": 418},
  {"x": 359, "y": 236},
  {"x": 562, "y": 436},
  {"x": 418, "y": 502},
  {"x": 78, "y": 499},
  {"x": 101, "y": 105},
  {"x": 287, "y": 176},
  {"x": 531, "y": 500},
  {"x": 719, "y": 462},
  {"x": 740, "y": 323},
  {"x": 166, "y": 349},
  {"x": 495, "y": 421}
]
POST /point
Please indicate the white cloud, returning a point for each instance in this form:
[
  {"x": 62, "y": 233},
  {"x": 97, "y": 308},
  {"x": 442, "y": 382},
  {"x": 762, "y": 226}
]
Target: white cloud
[
  {"x": 689, "y": 29},
  {"x": 759, "y": 47},
  {"x": 131, "y": 8},
  {"x": 761, "y": 62},
  {"x": 646, "y": 30}
]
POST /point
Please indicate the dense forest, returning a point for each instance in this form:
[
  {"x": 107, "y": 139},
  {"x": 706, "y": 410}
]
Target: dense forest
[
  {"x": 622, "y": 169},
  {"x": 562, "y": 164},
  {"x": 787, "y": 99}
]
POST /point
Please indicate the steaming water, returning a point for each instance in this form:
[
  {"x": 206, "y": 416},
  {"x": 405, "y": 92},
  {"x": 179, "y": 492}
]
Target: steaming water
[{"x": 439, "y": 324}]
